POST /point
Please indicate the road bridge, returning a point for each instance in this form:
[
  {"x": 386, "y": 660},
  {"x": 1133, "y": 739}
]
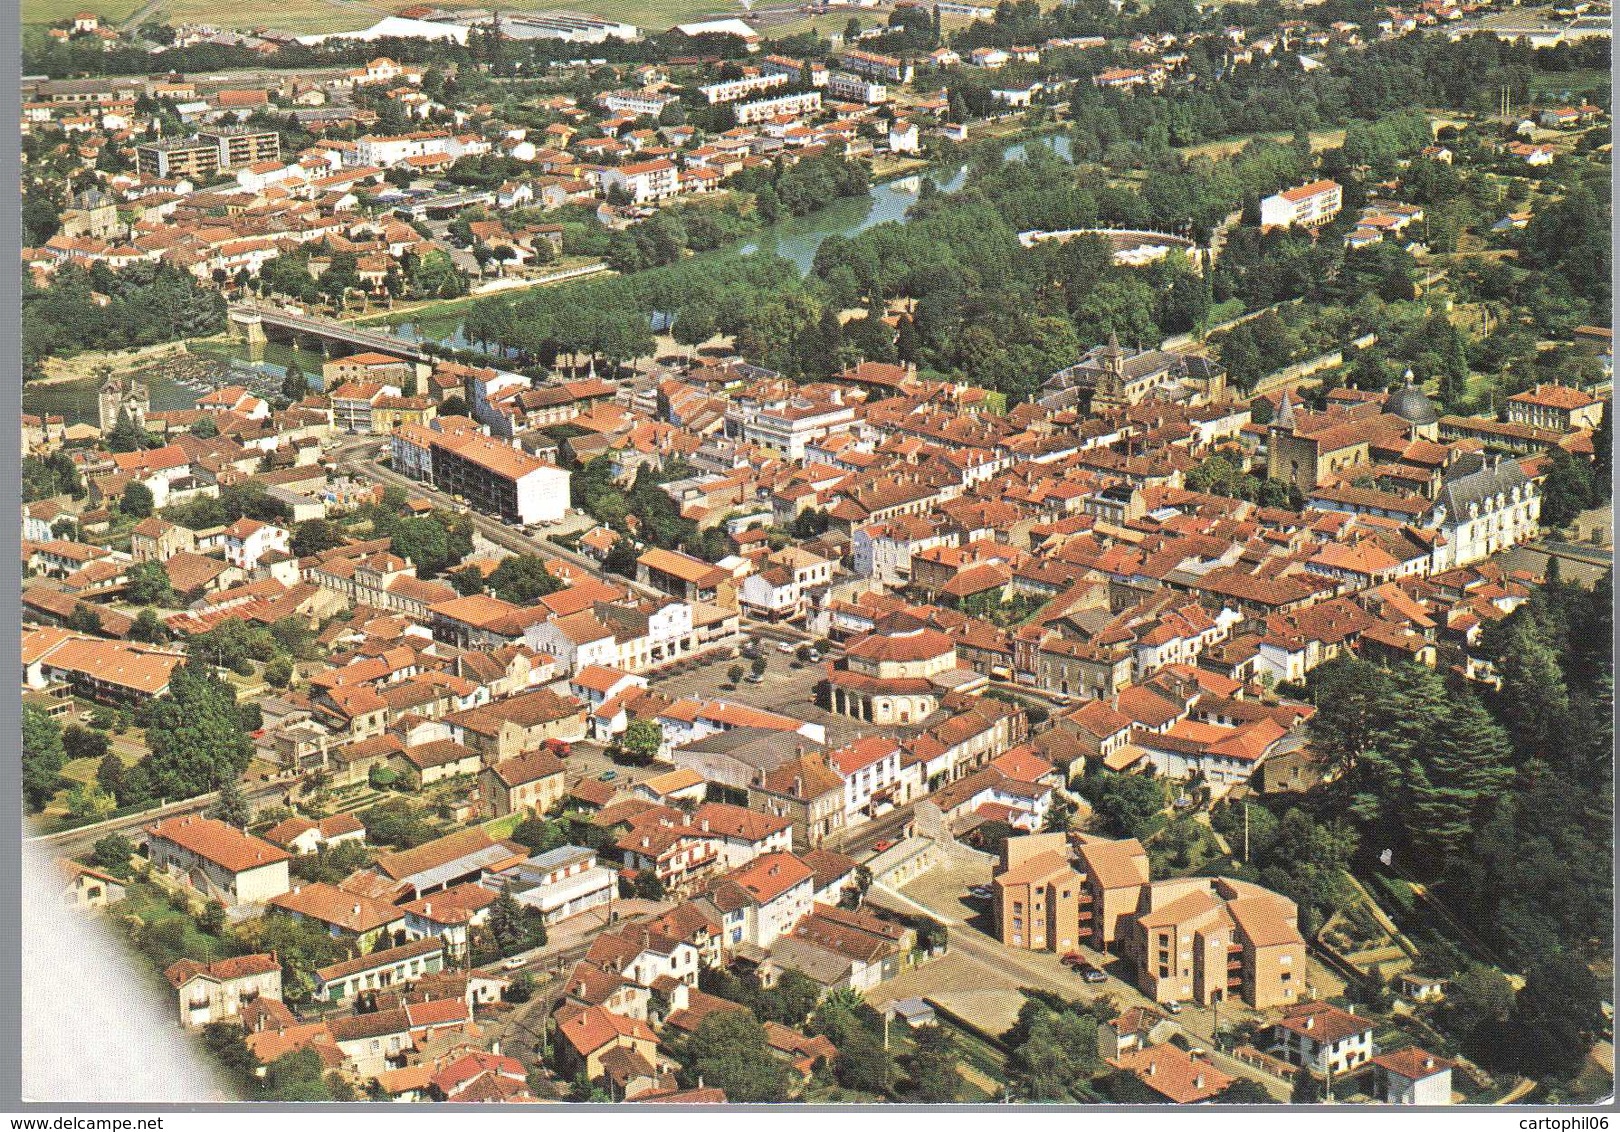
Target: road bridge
[{"x": 257, "y": 324}]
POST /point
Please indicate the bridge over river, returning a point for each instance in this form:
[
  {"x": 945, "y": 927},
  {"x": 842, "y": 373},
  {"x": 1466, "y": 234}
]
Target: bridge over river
[{"x": 257, "y": 324}]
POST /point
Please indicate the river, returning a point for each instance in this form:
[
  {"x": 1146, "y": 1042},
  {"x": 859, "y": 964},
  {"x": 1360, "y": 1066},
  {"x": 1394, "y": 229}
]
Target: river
[{"x": 794, "y": 240}]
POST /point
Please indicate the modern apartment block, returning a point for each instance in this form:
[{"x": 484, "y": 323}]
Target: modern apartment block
[
  {"x": 208, "y": 153},
  {"x": 798, "y": 104},
  {"x": 1054, "y": 895},
  {"x": 856, "y": 88},
  {"x": 886, "y": 68},
  {"x": 492, "y": 476},
  {"x": 1212, "y": 939},
  {"x": 1192, "y": 939}
]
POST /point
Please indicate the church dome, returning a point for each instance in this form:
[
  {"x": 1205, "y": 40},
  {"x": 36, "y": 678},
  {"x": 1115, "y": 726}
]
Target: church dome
[{"x": 1412, "y": 404}]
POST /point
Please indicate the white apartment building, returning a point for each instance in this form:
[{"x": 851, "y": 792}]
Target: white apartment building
[
  {"x": 1305, "y": 206},
  {"x": 641, "y": 103},
  {"x": 733, "y": 89},
  {"x": 392, "y": 150},
  {"x": 561, "y": 883},
  {"x": 799, "y": 105},
  {"x": 644, "y": 181},
  {"x": 854, "y": 88},
  {"x": 787, "y": 425}
]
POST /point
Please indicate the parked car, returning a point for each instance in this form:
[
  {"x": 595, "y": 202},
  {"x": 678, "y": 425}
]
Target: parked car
[
  {"x": 883, "y": 846},
  {"x": 784, "y": 646},
  {"x": 750, "y": 651},
  {"x": 1073, "y": 959},
  {"x": 1093, "y": 975},
  {"x": 982, "y": 892},
  {"x": 1172, "y": 1007},
  {"x": 755, "y": 678},
  {"x": 813, "y": 655},
  {"x": 608, "y": 775},
  {"x": 515, "y": 963},
  {"x": 562, "y": 748}
]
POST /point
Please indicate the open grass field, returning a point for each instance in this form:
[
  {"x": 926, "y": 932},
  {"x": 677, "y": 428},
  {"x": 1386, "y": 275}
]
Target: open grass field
[
  {"x": 653, "y": 15},
  {"x": 310, "y": 17},
  {"x": 54, "y": 11},
  {"x": 1575, "y": 82},
  {"x": 316, "y": 16},
  {"x": 1219, "y": 150}
]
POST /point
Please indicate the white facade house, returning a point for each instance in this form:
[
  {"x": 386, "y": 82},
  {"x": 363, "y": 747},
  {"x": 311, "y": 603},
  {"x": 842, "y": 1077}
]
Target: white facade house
[
  {"x": 213, "y": 992},
  {"x": 1323, "y": 1039},
  {"x": 217, "y": 861},
  {"x": 882, "y": 551},
  {"x": 870, "y": 768},
  {"x": 248, "y": 540},
  {"x": 761, "y": 902},
  {"x": 1412, "y": 1076},
  {"x": 1305, "y": 206}
]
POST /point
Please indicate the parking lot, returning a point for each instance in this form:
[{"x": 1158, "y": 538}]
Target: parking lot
[
  {"x": 788, "y": 687},
  {"x": 589, "y": 759}
]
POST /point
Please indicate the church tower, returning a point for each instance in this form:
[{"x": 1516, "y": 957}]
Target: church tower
[{"x": 117, "y": 398}]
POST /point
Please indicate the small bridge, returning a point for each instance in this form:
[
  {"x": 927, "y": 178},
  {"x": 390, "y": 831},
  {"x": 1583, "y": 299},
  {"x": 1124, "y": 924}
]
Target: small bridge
[{"x": 257, "y": 324}]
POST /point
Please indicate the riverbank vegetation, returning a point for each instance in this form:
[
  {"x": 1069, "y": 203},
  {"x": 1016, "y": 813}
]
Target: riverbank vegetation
[{"x": 99, "y": 308}]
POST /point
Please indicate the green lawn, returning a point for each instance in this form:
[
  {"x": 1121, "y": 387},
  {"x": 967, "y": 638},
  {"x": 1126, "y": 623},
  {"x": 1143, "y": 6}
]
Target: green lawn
[
  {"x": 653, "y": 15},
  {"x": 55, "y": 11},
  {"x": 305, "y": 17},
  {"x": 151, "y": 905},
  {"x": 1556, "y": 82},
  {"x": 501, "y": 828}
]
